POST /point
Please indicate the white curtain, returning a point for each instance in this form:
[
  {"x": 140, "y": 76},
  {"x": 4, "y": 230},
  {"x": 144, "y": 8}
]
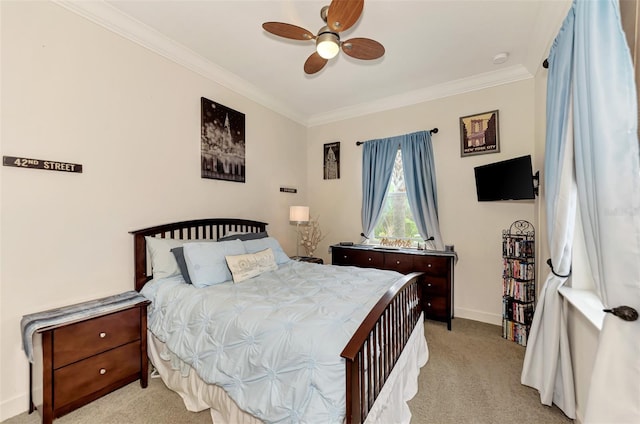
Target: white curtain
[
  {"x": 598, "y": 118},
  {"x": 547, "y": 363},
  {"x": 608, "y": 179}
]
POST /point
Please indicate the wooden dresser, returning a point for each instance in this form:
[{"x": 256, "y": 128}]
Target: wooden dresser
[
  {"x": 78, "y": 362},
  {"x": 436, "y": 288}
]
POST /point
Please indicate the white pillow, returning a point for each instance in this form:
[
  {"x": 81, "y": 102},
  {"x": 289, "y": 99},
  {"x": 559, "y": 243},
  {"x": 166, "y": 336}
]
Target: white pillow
[
  {"x": 249, "y": 265},
  {"x": 163, "y": 262},
  {"x": 257, "y": 245},
  {"x": 206, "y": 261}
]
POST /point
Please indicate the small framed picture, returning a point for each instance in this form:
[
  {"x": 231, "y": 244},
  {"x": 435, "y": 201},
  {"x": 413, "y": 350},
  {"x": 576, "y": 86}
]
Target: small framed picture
[
  {"x": 331, "y": 164},
  {"x": 479, "y": 134}
]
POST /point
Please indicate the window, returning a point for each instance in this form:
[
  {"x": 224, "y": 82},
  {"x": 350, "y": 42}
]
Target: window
[{"x": 396, "y": 220}]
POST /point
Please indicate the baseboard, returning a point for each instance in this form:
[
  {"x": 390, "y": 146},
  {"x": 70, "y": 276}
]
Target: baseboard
[
  {"x": 12, "y": 407},
  {"x": 478, "y": 316}
]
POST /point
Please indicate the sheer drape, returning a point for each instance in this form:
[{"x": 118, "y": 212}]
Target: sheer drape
[
  {"x": 419, "y": 174},
  {"x": 608, "y": 178},
  {"x": 378, "y": 157},
  {"x": 420, "y": 180},
  {"x": 591, "y": 57},
  {"x": 547, "y": 363}
]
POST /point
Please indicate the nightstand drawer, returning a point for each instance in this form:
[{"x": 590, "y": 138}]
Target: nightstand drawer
[
  {"x": 83, "y": 339},
  {"x": 95, "y": 373}
]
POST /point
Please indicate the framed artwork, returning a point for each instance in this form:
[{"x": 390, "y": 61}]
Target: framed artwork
[
  {"x": 331, "y": 161},
  {"x": 222, "y": 143},
  {"x": 479, "y": 134}
]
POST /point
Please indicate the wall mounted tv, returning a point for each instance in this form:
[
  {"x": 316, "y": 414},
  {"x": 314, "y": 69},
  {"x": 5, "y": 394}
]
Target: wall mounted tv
[{"x": 510, "y": 179}]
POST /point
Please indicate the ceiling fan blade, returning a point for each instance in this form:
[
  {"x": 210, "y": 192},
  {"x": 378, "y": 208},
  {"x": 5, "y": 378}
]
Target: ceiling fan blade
[
  {"x": 342, "y": 14},
  {"x": 363, "y": 48},
  {"x": 288, "y": 31},
  {"x": 314, "y": 63}
]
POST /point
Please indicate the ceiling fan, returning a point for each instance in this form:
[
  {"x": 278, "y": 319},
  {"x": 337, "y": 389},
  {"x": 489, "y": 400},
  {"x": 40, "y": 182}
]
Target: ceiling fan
[{"x": 339, "y": 16}]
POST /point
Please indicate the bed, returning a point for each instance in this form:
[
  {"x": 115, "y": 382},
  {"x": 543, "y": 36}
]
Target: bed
[{"x": 383, "y": 341}]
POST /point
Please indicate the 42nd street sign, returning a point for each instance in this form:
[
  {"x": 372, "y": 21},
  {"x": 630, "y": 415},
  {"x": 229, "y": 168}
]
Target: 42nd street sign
[{"x": 49, "y": 165}]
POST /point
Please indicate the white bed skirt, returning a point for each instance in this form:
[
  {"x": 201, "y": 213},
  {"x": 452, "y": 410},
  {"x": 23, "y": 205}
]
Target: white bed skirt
[{"x": 390, "y": 406}]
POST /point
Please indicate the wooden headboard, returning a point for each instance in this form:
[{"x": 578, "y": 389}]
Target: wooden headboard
[{"x": 199, "y": 229}]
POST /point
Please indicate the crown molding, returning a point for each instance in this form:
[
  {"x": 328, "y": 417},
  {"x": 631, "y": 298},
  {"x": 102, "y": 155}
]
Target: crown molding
[
  {"x": 451, "y": 88},
  {"x": 112, "y": 19},
  {"x": 548, "y": 22}
]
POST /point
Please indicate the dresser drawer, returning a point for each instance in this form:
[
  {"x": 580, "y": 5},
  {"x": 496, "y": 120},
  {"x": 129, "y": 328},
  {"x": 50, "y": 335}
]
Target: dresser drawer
[
  {"x": 95, "y": 373},
  {"x": 435, "y": 307},
  {"x": 434, "y": 285},
  {"x": 432, "y": 265},
  {"x": 402, "y": 263},
  {"x": 361, "y": 258},
  {"x": 77, "y": 341}
]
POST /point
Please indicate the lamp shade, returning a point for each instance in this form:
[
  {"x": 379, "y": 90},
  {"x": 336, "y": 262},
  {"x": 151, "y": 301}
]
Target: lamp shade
[{"x": 299, "y": 214}]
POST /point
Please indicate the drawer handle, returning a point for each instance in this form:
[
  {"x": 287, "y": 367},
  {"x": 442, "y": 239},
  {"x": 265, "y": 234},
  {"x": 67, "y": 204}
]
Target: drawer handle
[
  {"x": 369, "y": 259},
  {"x": 103, "y": 335},
  {"x": 103, "y": 371},
  {"x": 398, "y": 262},
  {"x": 345, "y": 256},
  {"x": 428, "y": 284},
  {"x": 428, "y": 265},
  {"x": 429, "y": 304}
]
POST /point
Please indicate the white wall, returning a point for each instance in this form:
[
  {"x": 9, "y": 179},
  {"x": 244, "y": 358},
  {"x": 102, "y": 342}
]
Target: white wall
[
  {"x": 75, "y": 92},
  {"x": 474, "y": 227}
]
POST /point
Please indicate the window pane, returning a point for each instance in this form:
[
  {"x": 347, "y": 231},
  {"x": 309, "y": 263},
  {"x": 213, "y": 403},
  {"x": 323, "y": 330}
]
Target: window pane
[{"x": 396, "y": 220}]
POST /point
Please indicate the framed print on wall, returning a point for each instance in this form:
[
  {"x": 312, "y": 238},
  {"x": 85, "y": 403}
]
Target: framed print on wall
[
  {"x": 479, "y": 134},
  {"x": 331, "y": 161},
  {"x": 222, "y": 143}
]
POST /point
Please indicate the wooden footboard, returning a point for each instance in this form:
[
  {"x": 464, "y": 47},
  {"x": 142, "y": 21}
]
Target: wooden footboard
[{"x": 376, "y": 345}]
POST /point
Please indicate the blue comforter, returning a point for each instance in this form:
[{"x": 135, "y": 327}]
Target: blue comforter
[{"x": 272, "y": 342}]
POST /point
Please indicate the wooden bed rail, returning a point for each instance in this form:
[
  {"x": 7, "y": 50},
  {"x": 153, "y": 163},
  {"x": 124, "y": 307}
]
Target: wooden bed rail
[
  {"x": 376, "y": 345},
  {"x": 198, "y": 229}
]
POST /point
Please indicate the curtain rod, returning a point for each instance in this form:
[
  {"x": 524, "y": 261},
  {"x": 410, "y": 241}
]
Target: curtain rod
[{"x": 432, "y": 131}]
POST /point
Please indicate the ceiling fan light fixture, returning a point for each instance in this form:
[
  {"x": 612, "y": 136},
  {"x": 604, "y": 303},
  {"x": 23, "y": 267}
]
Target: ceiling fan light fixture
[{"x": 327, "y": 45}]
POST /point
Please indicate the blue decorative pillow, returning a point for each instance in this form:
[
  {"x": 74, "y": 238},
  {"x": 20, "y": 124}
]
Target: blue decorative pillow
[
  {"x": 206, "y": 263},
  {"x": 245, "y": 236},
  {"x": 254, "y": 246}
]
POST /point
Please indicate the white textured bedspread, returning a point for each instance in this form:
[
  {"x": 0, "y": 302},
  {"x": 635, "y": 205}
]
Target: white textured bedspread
[{"x": 272, "y": 342}]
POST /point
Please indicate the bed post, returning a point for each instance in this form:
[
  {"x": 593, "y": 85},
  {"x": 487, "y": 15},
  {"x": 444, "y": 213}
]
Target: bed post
[
  {"x": 140, "y": 261},
  {"x": 353, "y": 392}
]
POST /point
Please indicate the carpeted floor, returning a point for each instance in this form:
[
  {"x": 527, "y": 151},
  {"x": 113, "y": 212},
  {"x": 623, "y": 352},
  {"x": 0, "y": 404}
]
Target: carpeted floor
[{"x": 473, "y": 376}]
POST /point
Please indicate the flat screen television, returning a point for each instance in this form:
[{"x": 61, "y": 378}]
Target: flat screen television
[{"x": 510, "y": 179}]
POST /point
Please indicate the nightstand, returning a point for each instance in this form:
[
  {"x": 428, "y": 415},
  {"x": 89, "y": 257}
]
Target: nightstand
[
  {"x": 78, "y": 361},
  {"x": 311, "y": 259}
]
